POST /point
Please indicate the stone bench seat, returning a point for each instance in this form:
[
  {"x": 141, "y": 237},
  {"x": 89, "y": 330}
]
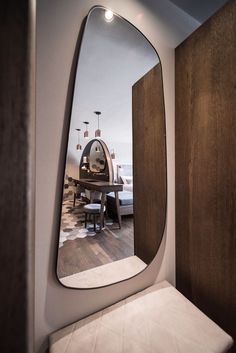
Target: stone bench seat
[{"x": 158, "y": 319}]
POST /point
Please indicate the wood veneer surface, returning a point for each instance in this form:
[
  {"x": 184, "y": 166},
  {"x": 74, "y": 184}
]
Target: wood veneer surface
[
  {"x": 16, "y": 240},
  {"x": 206, "y": 167},
  {"x": 149, "y": 163},
  {"x": 110, "y": 245}
]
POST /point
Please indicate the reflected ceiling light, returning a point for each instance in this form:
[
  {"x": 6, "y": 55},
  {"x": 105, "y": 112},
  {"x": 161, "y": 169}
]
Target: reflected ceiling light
[
  {"x": 78, "y": 146},
  {"x": 86, "y": 134},
  {"x": 109, "y": 15},
  {"x": 98, "y": 131}
]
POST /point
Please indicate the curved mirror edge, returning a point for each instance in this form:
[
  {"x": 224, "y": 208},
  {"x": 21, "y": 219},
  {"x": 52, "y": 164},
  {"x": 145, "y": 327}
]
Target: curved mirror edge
[{"x": 123, "y": 265}]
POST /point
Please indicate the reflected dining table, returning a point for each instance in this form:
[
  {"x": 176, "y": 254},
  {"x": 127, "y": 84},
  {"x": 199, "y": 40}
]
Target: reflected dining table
[{"x": 104, "y": 187}]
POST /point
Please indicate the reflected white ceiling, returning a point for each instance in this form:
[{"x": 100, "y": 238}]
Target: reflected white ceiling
[{"x": 113, "y": 57}]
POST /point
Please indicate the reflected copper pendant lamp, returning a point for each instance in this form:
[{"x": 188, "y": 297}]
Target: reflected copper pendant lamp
[
  {"x": 113, "y": 155},
  {"x": 98, "y": 132},
  {"x": 86, "y": 133},
  {"x": 78, "y": 146}
]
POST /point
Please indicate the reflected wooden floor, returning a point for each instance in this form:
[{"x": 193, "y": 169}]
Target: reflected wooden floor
[{"x": 110, "y": 245}]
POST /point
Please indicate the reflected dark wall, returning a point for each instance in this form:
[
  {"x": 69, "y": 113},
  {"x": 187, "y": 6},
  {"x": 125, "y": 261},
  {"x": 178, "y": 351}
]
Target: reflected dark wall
[{"x": 150, "y": 190}]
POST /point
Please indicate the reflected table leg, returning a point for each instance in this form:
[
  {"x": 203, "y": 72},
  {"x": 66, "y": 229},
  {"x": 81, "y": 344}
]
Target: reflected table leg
[
  {"x": 118, "y": 208},
  {"x": 103, "y": 199}
]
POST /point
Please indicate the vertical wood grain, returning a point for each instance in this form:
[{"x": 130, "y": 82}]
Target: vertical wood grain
[
  {"x": 149, "y": 164},
  {"x": 206, "y": 167},
  {"x": 16, "y": 166}
]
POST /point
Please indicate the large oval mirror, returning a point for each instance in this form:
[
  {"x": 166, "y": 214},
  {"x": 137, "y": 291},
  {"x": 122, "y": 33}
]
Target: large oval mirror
[{"x": 114, "y": 192}]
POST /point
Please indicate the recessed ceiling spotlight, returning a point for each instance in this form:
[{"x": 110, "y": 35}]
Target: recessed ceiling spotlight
[{"x": 109, "y": 15}]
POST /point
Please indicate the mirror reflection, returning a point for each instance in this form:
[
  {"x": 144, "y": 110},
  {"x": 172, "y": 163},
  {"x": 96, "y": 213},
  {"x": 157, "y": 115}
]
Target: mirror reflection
[
  {"x": 96, "y": 158},
  {"x": 97, "y": 238}
]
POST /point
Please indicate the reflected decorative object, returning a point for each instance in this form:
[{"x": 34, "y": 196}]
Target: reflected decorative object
[
  {"x": 86, "y": 133},
  {"x": 85, "y": 163},
  {"x": 118, "y": 71},
  {"x": 78, "y": 146},
  {"x": 98, "y": 131}
]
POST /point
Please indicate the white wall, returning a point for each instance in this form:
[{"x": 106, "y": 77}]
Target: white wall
[{"x": 58, "y": 23}]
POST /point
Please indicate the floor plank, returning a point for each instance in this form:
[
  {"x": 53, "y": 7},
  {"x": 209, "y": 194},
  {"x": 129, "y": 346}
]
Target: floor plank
[{"x": 95, "y": 249}]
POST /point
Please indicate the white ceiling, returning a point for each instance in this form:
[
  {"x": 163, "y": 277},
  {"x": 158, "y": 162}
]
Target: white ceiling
[{"x": 198, "y": 9}]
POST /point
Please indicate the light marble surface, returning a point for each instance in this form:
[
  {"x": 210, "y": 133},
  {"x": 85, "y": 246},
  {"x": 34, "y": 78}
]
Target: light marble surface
[
  {"x": 156, "y": 320},
  {"x": 106, "y": 274}
]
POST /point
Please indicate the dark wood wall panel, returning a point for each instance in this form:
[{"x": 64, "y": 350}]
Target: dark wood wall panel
[
  {"x": 206, "y": 167},
  {"x": 16, "y": 191},
  {"x": 149, "y": 163}
]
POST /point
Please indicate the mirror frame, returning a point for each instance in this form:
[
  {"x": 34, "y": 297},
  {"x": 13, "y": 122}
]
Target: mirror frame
[{"x": 65, "y": 139}]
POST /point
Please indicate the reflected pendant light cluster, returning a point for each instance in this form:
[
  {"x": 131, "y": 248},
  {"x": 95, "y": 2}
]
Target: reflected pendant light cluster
[
  {"x": 78, "y": 146},
  {"x": 86, "y": 133},
  {"x": 98, "y": 131}
]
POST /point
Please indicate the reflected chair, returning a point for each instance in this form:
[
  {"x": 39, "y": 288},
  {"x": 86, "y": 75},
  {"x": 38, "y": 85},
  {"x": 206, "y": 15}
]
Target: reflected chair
[{"x": 94, "y": 210}]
